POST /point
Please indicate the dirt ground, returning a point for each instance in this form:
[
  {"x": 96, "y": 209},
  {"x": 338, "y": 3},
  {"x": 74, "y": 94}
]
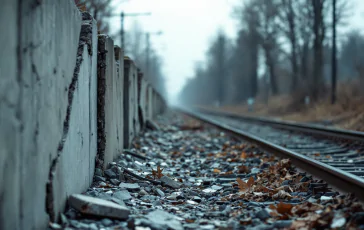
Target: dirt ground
[{"x": 347, "y": 113}]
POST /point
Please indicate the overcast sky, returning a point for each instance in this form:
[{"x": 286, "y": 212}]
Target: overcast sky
[{"x": 188, "y": 26}]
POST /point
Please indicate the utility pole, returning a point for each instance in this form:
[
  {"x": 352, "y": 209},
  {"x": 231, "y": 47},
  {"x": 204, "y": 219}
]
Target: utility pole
[
  {"x": 122, "y": 30},
  {"x": 122, "y": 19},
  {"x": 147, "y": 50},
  {"x": 334, "y": 61}
]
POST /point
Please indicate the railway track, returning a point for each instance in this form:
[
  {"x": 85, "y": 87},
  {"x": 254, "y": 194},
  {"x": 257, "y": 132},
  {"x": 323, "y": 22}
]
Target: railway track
[{"x": 334, "y": 155}]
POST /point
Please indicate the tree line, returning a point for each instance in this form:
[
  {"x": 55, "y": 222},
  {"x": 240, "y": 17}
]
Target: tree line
[{"x": 282, "y": 47}]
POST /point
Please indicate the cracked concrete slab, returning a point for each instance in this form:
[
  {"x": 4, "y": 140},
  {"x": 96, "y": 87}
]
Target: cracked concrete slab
[{"x": 98, "y": 207}]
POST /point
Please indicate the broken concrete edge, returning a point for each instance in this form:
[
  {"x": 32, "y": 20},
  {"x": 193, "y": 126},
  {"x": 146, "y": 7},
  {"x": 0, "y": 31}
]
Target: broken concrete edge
[
  {"x": 98, "y": 207},
  {"x": 101, "y": 90},
  {"x": 127, "y": 64},
  {"x": 85, "y": 39},
  {"x": 141, "y": 113}
]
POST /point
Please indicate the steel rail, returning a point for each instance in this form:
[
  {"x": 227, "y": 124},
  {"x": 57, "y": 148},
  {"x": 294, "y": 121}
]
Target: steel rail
[
  {"x": 291, "y": 125},
  {"x": 336, "y": 177}
]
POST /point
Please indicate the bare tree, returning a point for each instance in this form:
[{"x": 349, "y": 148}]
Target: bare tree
[
  {"x": 289, "y": 20},
  {"x": 268, "y": 30},
  {"x": 101, "y": 10},
  {"x": 251, "y": 39}
]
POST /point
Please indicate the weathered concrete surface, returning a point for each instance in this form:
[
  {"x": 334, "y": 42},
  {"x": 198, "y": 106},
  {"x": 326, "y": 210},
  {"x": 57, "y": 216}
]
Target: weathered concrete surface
[
  {"x": 130, "y": 101},
  {"x": 47, "y": 135},
  {"x": 49, "y": 40},
  {"x": 119, "y": 81},
  {"x": 149, "y": 102},
  {"x": 79, "y": 152},
  {"x": 110, "y": 101},
  {"x": 9, "y": 120},
  {"x": 99, "y": 207},
  {"x": 142, "y": 101}
]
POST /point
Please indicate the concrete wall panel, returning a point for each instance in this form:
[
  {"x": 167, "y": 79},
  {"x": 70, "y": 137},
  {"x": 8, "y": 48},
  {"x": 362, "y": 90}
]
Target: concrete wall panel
[
  {"x": 49, "y": 40},
  {"x": 110, "y": 90},
  {"x": 9, "y": 121}
]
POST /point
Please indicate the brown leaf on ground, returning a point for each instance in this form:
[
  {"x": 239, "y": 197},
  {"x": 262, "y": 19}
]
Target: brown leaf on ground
[
  {"x": 217, "y": 171},
  {"x": 243, "y": 187},
  {"x": 250, "y": 182},
  {"x": 243, "y": 169},
  {"x": 284, "y": 208},
  {"x": 157, "y": 173},
  {"x": 243, "y": 155}
]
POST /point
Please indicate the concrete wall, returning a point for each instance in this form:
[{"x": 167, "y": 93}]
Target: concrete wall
[
  {"x": 61, "y": 101},
  {"x": 142, "y": 100},
  {"x": 130, "y": 101},
  {"x": 110, "y": 103},
  {"x": 79, "y": 152},
  {"x": 9, "y": 121},
  {"x": 47, "y": 110}
]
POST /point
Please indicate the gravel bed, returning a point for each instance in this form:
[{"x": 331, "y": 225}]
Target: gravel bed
[{"x": 181, "y": 174}]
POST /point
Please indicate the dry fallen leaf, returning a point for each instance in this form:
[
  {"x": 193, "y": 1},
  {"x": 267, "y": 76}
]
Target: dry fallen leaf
[
  {"x": 243, "y": 169},
  {"x": 157, "y": 173},
  {"x": 217, "y": 171},
  {"x": 243, "y": 155},
  {"x": 242, "y": 185},
  {"x": 250, "y": 182},
  {"x": 284, "y": 208},
  {"x": 245, "y": 186}
]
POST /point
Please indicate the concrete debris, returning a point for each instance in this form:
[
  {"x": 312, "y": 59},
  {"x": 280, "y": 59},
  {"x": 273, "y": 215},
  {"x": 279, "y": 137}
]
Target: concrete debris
[
  {"x": 122, "y": 195},
  {"x": 130, "y": 187},
  {"x": 98, "y": 207},
  {"x": 170, "y": 182},
  {"x": 165, "y": 219}
]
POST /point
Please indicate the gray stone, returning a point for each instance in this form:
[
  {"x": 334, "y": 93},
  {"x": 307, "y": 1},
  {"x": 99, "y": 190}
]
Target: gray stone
[
  {"x": 282, "y": 223},
  {"x": 130, "y": 187},
  {"x": 98, "y": 207},
  {"x": 165, "y": 219},
  {"x": 159, "y": 192},
  {"x": 122, "y": 195},
  {"x": 102, "y": 184},
  {"x": 216, "y": 187},
  {"x": 110, "y": 173},
  {"x": 208, "y": 226},
  {"x": 143, "y": 192},
  {"x": 100, "y": 178},
  {"x": 114, "y": 181},
  {"x": 117, "y": 201},
  {"x": 170, "y": 183},
  {"x": 55, "y": 226},
  {"x": 93, "y": 226},
  {"x": 107, "y": 222},
  {"x": 262, "y": 214},
  {"x": 98, "y": 172}
]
